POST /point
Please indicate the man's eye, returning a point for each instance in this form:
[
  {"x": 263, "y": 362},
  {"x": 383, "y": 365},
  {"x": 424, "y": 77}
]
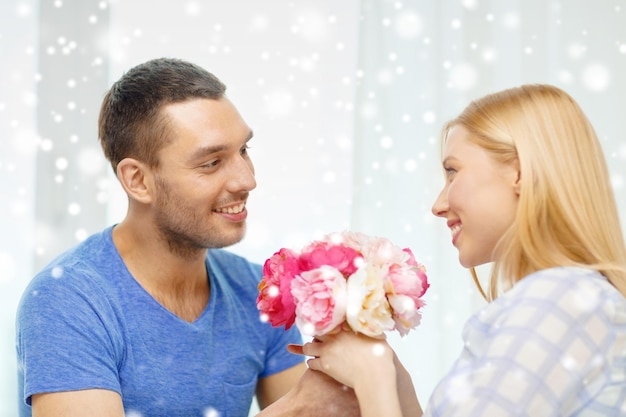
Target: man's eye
[{"x": 211, "y": 164}]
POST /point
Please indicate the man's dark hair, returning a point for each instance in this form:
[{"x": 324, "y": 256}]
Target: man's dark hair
[{"x": 131, "y": 123}]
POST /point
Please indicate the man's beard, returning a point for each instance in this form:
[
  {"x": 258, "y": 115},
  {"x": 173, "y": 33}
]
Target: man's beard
[{"x": 185, "y": 229}]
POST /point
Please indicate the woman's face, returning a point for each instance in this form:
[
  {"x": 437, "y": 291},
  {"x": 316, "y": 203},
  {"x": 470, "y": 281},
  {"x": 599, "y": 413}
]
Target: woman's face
[{"x": 479, "y": 198}]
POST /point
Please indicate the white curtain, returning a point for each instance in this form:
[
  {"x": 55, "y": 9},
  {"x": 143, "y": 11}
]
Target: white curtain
[{"x": 346, "y": 99}]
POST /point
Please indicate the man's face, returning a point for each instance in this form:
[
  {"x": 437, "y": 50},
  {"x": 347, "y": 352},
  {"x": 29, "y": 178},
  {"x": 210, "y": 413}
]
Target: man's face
[{"x": 204, "y": 177}]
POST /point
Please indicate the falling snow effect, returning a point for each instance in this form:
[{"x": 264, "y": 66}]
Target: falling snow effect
[{"x": 346, "y": 103}]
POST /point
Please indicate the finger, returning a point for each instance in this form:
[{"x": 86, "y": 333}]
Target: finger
[
  {"x": 335, "y": 330},
  {"x": 295, "y": 349},
  {"x": 311, "y": 349},
  {"x": 314, "y": 364}
]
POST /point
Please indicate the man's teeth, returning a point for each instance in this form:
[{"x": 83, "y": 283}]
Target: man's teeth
[
  {"x": 232, "y": 210},
  {"x": 455, "y": 229}
]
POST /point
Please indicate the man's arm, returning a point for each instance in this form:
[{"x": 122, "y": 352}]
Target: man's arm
[
  {"x": 83, "y": 403},
  {"x": 406, "y": 391},
  {"x": 315, "y": 394},
  {"x": 271, "y": 388}
]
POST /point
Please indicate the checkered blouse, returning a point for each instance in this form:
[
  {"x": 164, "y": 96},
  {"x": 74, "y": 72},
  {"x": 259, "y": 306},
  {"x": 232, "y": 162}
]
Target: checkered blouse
[{"x": 553, "y": 345}]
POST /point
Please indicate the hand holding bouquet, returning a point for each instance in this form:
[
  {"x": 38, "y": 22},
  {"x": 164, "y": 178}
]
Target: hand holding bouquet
[{"x": 345, "y": 279}]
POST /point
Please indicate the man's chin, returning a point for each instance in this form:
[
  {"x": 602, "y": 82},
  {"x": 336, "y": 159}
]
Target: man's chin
[{"x": 228, "y": 239}]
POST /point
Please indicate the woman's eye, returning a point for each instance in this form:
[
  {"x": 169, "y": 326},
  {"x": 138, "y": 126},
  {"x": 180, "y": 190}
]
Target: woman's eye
[
  {"x": 244, "y": 150},
  {"x": 449, "y": 171}
]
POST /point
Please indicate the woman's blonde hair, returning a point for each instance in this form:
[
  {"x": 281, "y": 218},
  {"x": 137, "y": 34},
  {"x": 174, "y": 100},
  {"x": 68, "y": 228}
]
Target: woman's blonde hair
[{"x": 567, "y": 215}]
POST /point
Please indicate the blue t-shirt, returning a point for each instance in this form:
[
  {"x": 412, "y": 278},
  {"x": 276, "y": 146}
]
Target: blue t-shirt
[{"x": 84, "y": 322}]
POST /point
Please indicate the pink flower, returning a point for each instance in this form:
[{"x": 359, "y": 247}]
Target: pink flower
[
  {"x": 406, "y": 314},
  {"x": 411, "y": 260},
  {"x": 320, "y": 297},
  {"x": 275, "y": 300},
  {"x": 376, "y": 250},
  {"x": 405, "y": 286},
  {"x": 347, "y": 278},
  {"x": 321, "y": 253}
]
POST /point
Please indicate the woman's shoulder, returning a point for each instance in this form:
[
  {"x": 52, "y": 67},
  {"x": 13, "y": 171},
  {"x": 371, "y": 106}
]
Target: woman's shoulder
[
  {"x": 567, "y": 293},
  {"x": 580, "y": 285}
]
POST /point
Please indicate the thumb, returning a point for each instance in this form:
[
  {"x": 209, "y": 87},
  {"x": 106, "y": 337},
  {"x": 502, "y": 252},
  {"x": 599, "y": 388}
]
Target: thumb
[{"x": 295, "y": 349}]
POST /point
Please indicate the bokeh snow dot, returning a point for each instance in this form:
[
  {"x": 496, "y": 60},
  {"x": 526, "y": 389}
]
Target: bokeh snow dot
[
  {"x": 565, "y": 77},
  {"x": 90, "y": 161},
  {"x": 8, "y": 268},
  {"x": 576, "y": 50},
  {"x": 81, "y": 234},
  {"x": 511, "y": 21},
  {"x": 369, "y": 110},
  {"x": 46, "y": 145},
  {"x": 463, "y": 77},
  {"x": 279, "y": 103},
  {"x": 273, "y": 291},
  {"x": 73, "y": 209},
  {"x": 596, "y": 77},
  {"x": 410, "y": 165},
  {"x": 192, "y": 8},
  {"x": 408, "y": 25},
  {"x": 378, "y": 349},
  {"x": 57, "y": 272},
  {"x": 61, "y": 164},
  {"x": 617, "y": 182},
  {"x": 259, "y": 23},
  {"x": 211, "y": 412},
  {"x": 386, "y": 142},
  {"x": 312, "y": 26},
  {"x": 469, "y": 4}
]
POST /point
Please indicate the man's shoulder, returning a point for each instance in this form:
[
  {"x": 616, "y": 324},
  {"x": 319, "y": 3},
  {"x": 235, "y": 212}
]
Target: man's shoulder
[{"x": 89, "y": 259}]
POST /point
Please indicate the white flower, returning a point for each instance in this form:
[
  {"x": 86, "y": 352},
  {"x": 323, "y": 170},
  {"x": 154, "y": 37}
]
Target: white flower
[{"x": 368, "y": 310}]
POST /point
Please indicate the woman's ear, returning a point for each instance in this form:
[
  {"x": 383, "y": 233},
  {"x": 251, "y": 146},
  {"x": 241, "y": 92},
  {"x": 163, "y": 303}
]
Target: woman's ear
[
  {"x": 135, "y": 179},
  {"x": 518, "y": 181}
]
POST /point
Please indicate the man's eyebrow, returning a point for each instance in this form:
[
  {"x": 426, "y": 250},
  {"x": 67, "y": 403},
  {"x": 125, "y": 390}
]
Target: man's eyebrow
[{"x": 208, "y": 150}]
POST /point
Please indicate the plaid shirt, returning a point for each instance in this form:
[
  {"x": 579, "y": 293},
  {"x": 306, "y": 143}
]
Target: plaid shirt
[{"x": 553, "y": 345}]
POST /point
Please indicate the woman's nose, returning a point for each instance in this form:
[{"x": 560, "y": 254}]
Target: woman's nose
[{"x": 440, "y": 206}]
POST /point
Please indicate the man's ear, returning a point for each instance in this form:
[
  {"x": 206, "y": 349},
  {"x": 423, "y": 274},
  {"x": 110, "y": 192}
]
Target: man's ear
[{"x": 135, "y": 178}]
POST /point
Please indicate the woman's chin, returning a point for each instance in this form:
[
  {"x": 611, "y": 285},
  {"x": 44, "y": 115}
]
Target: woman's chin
[{"x": 471, "y": 263}]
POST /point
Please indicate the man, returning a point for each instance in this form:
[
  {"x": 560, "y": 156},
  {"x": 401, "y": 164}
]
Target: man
[{"x": 150, "y": 317}]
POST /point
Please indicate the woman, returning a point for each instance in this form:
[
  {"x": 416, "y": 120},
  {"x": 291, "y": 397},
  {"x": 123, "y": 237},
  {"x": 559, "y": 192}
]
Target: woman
[{"x": 527, "y": 189}]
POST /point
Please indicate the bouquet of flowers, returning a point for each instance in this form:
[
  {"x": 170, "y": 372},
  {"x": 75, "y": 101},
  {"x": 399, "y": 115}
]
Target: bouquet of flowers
[{"x": 347, "y": 279}]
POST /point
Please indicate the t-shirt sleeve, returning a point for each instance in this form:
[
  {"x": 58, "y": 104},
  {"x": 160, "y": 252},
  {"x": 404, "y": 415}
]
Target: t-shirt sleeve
[
  {"x": 278, "y": 358},
  {"x": 542, "y": 350},
  {"x": 242, "y": 278},
  {"x": 64, "y": 339}
]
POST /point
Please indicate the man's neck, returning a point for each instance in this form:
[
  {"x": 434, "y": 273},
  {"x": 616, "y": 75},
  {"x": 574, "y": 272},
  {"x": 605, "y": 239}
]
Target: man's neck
[{"x": 180, "y": 284}]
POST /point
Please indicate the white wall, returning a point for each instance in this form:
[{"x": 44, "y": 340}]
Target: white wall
[{"x": 345, "y": 98}]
